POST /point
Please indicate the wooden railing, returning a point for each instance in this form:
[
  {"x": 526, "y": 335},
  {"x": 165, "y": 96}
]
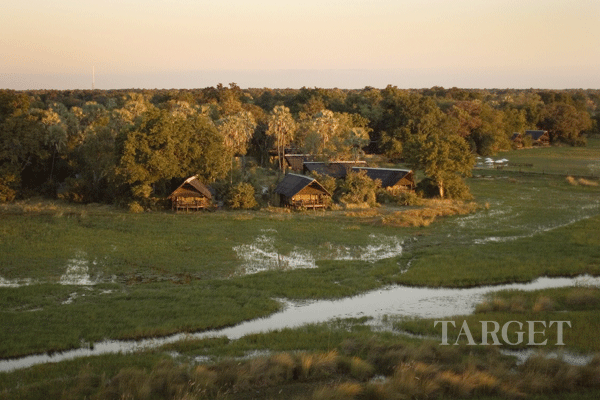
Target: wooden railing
[
  {"x": 307, "y": 204},
  {"x": 189, "y": 204}
]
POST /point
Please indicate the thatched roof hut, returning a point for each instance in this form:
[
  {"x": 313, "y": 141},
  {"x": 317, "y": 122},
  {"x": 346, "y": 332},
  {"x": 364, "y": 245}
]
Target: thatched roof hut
[
  {"x": 191, "y": 195},
  {"x": 394, "y": 180},
  {"x": 296, "y": 161},
  {"x": 299, "y": 191},
  {"x": 539, "y": 138}
]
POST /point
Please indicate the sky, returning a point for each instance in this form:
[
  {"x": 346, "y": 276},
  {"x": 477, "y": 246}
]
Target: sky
[{"x": 120, "y": 44}]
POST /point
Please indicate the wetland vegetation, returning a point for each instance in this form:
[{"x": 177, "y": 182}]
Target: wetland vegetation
[
  {"x": 120, "y": 275},
  {"x": 73, "y": 274}
]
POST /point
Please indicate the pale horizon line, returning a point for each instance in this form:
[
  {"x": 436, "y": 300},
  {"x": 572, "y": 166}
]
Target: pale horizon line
[{"x": 288, "y": 78}]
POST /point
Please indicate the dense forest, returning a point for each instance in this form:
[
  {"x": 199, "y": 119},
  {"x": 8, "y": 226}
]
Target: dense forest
[{"x": 124, "y": 146}]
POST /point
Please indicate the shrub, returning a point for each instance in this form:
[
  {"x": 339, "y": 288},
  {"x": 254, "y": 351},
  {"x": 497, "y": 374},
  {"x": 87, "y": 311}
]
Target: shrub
[
  {"x": 135, "y": 207},
  {"x": 358, "y": 188},
  {"x": 8, "y": 186},
  {"x": 409, "y": 199},
  {"x": 241, "y": 196},
  {"x": 427, "y": 188},
  {"x": 328, "y": 182},
  {"x": 457, "y": 188}
]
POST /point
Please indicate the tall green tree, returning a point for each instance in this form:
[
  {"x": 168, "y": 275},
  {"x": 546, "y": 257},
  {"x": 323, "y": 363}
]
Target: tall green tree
[
  {"x": 565, "y": 123},
  {"x": 162, "y": 146},
  {"x": 444, "y": 157},
  {"x": 481, "y": 125},
  {"x": 30, "y": 141},
  {"x": 22, "y": 148},
  {"x": 236, "y": 131},
  {"x": 281, "y": 127},
  {"x": 405, "y": 114}
]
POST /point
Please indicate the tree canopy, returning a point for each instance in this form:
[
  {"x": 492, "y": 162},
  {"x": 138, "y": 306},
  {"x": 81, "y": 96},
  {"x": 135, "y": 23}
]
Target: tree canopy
[{"x": 115, "y": 145}]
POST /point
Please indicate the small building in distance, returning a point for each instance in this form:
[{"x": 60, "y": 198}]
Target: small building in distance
[
  {"x": 191, "y": 195},
  {"x": 299, "y": 191},
  {"x": 335, "y": 169},
  {"x": 393, "y": 180},
  {"x": 517, "y": 139},
  {"x": 539, "y": 138}
]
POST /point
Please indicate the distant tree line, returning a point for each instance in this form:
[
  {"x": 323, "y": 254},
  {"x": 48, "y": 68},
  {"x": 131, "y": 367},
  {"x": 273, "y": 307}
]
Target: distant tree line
[{"x": 116, "y": 146}]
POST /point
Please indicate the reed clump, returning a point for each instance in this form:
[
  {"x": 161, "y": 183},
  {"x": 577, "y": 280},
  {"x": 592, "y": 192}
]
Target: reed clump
[
  {"x": 571, "y": 181},
  {"x": 581, "y": 181},
  {"x": 586, "y": 182},
  {"x": 543, "y": 303},
  {"x": 342, "y": 391},
  {"x": 425, "y": 216},
  {"x": 412, "y": 371}
]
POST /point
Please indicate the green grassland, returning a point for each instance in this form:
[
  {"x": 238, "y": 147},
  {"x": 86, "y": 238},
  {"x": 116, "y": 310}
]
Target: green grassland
[
  {"x": 563, "y": 160},
  {"x": 159, "y": 273}
]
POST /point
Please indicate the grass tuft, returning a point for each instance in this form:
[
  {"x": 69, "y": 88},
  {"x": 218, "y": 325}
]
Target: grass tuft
[
  {"x": 587, "y": 182},
  {"x": 346, "y": 390},
  {"x": 571, "y": 181},
  {"x": 543, "y": 303}
]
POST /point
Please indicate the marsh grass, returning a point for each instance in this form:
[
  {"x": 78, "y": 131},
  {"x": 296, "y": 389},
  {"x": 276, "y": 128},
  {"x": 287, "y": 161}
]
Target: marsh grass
[
  {"x": 566, "y": 251},
  {"x": 141, "y": 311},
  {"x": 433, "y": 210},
  {"x": 407, "y": 368},
  {"x": 579, "y": 305}
]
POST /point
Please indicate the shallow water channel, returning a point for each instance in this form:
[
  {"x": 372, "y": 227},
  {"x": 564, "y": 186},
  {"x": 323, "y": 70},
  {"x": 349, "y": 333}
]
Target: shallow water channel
[{"x": 421, "y": 302}]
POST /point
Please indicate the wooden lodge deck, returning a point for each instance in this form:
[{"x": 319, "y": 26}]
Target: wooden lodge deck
[
  {"x": 187, "y": 204},
  {"x": 307, "y": 204}
]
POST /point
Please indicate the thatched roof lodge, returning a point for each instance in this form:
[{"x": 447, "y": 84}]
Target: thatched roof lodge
[
  {"x": 517, "y": 139},
  {"x": 394, "y": 180},
  {"x": 296, "y": 161},
  {"x": 299, "y": 191},
  {"x": 191, "y": 195},
  {"x": 539, "y": 138},
  {"x": 335, "y": 169}
]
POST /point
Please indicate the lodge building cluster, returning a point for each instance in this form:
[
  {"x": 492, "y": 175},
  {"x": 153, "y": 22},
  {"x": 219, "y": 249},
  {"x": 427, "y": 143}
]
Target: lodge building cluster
[{"x": 297, "y": 189}]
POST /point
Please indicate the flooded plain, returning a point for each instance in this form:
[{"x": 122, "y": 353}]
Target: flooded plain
[
  {"x": 394, "y": 301},
  {"x": 262, "y": 255},
  {"x": 511, "y": 217}
]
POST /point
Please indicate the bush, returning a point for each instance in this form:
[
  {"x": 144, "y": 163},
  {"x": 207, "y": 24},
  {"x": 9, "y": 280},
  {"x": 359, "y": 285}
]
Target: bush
[
  {"x": 328, "y": 182},
  {"x": 455, "y": 188},
  {"x": 241, "y": 196},
  {"x": 409, "y": 199},
  {"x": 427, "y": 188},
  {"x": 358, "y": 188},
  {"x": 135, "y": 207},
  {"x": 8, "y": 187}
]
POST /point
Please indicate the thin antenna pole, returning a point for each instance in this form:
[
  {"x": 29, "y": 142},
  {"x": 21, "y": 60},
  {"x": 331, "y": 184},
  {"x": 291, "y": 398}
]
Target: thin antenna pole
[{"x": 93, "y": 77}]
